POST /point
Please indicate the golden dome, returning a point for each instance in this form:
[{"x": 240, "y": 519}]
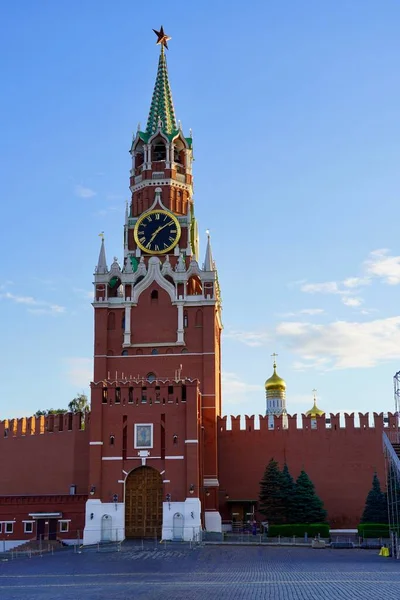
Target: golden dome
[
  {"x": 315, "y": 411},
  {"x": 275, "y": 382}
]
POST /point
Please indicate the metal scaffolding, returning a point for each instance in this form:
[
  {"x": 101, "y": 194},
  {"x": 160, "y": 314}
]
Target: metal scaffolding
[{"x": 391, "y": 447}]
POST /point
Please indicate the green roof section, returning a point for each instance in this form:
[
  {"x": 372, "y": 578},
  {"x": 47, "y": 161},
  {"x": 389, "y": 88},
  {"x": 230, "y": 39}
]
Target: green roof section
[{"x": 162, "y": 107}]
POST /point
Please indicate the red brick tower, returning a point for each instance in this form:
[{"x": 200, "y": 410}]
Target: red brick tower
[{"x": 156, "y": 391}]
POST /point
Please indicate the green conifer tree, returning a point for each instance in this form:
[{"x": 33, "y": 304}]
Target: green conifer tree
[
  {"x": 271, "y": 499},
  {"x": 375, "y": 510},
  {"x": 307, "y": 506},
  {"x": 288, "y": 490}
]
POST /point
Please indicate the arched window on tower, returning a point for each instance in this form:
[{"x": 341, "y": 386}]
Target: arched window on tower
[
  {"x": 194, "y": 286},
  {"x": 154, "y": 297},
  {"x": 185, "y": 319},
  {"x": 179, "y": 155},
  {"x": 159, "y": 151}
]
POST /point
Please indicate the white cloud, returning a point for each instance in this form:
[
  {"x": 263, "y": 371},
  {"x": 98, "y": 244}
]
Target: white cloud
[
  {"x": 345, "y": 289},
  {"x": 80, "y": 371},
  {"x": 232, "y": 385},
  {"x": 249, "y": 338},
  {"x": 312, "y": 311},
  {"x": 381, "y": 264},
  {"x": 37, "y": 307},
  {"x": 304, "y": 311},
  {"x": 328, "y": 287},
  {"x": 84, "y": 192},
  {"x": 354, "y": 302},
  {"x": 235, "y": 394},
  {"x": 356, "y": 282},
  {"x": 342, "y": 344}
]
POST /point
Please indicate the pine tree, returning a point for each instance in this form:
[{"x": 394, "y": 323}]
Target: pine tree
[
  {"x": 375, "y": 510},
  {"x": 288, "y": 489},
  {"x": 271, "y": 498},
  {"x": 307, "y": 506}
]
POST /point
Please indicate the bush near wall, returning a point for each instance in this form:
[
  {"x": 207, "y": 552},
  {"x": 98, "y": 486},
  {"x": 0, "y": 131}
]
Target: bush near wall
[
  {"x": 312, "y": 530},
  {"x": 373, "y": 530}
]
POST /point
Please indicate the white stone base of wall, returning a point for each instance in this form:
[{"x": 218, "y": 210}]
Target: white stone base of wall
[
  {"x": 213, "y": 521},
  {"x": 182, "y": 520},
  {"x": 104, "y": 522}
]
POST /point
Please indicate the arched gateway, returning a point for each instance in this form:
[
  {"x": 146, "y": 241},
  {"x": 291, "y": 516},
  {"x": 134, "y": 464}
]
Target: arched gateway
[{"x": 143, "y": 503}]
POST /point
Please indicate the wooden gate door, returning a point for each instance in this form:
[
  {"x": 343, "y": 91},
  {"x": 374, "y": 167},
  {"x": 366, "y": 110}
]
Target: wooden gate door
[{"x": 143, "y": 503}]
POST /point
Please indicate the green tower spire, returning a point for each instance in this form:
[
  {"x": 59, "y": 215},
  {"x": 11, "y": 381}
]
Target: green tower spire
[{"x": 162, "y": 107}]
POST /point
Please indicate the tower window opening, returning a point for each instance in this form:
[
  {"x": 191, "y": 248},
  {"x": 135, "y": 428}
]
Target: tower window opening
[
  {"x": 144, "y": 394},
  {"x": 185, "y": 319},
  {"x": 105, "y": 395},
  {"x": 177, "y": 155},
  {"x": 159, "y": 151},
  {"x": 123, "y": 322},
  {"x": 117, "y": 395},
  {"x": 184, "y": 393},
  {"x": 124, "y": 352},
  {"x": 130, "y": 395},
  {"x": 112, "y": 440},
  {"x": 114, "y": 290},
  {"x": 154, "y": 351},
  {"x": 154, "y": 297},
  {"x": 170, "y": 389}
]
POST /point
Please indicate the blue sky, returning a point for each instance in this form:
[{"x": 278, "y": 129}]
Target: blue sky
[{"x": 295, "y": 114}]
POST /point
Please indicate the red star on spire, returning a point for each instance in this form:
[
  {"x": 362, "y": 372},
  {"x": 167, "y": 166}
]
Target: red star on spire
[{"x": 162, "y": 38}]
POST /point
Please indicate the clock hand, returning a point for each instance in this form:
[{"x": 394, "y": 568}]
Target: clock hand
[
  {"x": 157, "y": 231},
  {"x": 154, "y": 234}
]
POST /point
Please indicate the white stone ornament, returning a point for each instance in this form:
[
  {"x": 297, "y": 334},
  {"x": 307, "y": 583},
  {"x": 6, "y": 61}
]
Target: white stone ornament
[
  {"x": 180, "y": 265},
  {"x": 141, "y": 270}
]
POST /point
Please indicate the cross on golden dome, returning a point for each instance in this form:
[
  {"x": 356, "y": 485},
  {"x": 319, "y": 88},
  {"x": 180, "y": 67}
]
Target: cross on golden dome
[{"x": 162, "y": 38}]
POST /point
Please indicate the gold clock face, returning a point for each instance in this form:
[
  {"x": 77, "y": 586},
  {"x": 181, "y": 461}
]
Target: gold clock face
[{"x": 157, "y": 232}]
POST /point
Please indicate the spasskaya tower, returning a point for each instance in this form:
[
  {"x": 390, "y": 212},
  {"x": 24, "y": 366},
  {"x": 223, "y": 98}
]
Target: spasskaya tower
[{"x": 156, "y": 390}]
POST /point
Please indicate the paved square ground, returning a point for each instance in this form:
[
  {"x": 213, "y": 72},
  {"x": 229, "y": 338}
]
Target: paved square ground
[{"x": 222, "y": 573}]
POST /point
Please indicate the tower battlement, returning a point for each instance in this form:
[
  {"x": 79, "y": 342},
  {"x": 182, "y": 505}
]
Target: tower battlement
[
  {"x": 293, "y": 423},
  {"x": 44, "y": 424}
]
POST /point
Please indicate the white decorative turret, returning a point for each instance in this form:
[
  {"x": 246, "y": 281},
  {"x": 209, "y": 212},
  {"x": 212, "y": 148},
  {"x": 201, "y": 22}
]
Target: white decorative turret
[
  {"x": 208, "y": 261},
  {"x": 102, "y": 263},
  {"x": 128, "y": 265},
  {"x": 180, "y": 265},
  {"x": 166, "y": 268},
  {"x": 141, "y": 270},
  {"x": 115, "y": 268}
]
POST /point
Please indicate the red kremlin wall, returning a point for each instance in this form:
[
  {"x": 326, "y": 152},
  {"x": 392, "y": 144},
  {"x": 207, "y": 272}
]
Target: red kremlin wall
[
  {"x": 339, "y": 460},
  {"x": 45, "y": 456}
]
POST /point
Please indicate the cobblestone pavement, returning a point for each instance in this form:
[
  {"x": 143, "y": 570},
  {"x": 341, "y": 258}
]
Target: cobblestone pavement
[{"x": 178, "y": 572}]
